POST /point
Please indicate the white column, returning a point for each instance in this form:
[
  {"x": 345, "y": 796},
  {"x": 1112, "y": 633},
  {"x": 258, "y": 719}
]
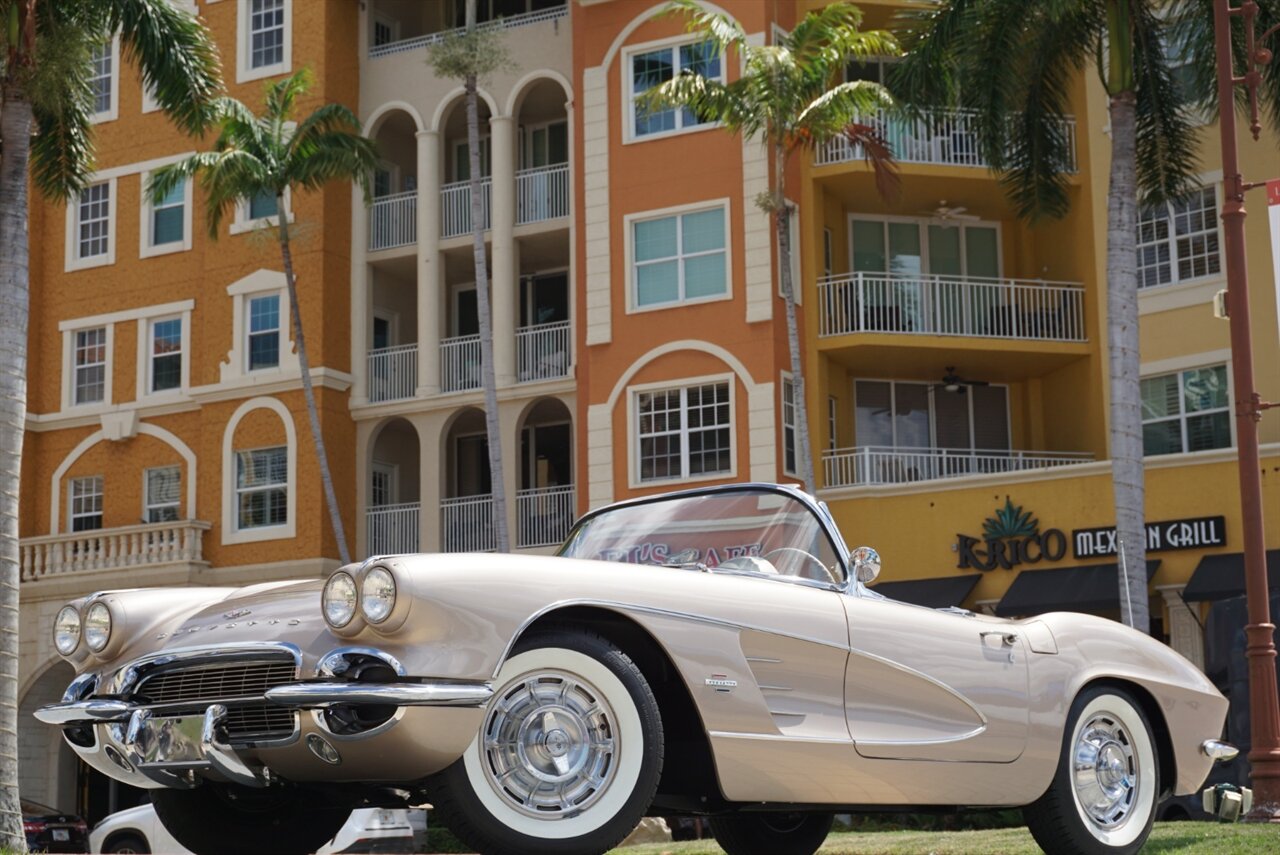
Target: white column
[
  {"x": 1185, "y": 634},
  {"x": 430, "y": 265},
  {"x": 431, "y": 469},
  {"x": 509, "y": 430},
  {"x": 361, "y": 299},
  {"x": 503, "y": 223}
]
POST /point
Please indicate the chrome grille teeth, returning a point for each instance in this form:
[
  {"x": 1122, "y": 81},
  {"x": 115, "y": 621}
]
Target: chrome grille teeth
[{"x": 199, "y": 686}]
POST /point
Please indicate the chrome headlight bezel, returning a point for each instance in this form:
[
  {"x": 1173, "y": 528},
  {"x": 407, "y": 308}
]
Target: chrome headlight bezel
[
  {"x": 72, "y": 615},
  {"x": 378, "y": 595},
  {"x": 97, "y": 624},
  {"x": 350, "y": 600}
]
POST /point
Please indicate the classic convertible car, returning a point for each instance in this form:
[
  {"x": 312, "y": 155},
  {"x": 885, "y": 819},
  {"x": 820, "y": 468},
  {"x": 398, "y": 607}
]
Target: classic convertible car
[{"x": 713, "y": 651}]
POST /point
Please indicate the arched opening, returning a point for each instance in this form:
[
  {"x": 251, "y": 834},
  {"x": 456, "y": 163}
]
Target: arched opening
[
  {"x": 455, "y": 191},
  {"x": 393, "y": 216},
  {"x": 392, "y": 519},
  {"x": 545, "y": 502},
  {"x": 466, "y": 512}
]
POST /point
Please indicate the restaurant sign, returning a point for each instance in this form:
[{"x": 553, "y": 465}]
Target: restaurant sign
[{"x": 1195, "y": 533}]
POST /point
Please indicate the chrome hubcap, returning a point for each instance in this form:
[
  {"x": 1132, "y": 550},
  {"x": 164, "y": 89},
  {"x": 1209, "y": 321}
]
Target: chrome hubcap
[
  {"x": 549, "y": 745},
  {"x": 1105, "y": 771}
]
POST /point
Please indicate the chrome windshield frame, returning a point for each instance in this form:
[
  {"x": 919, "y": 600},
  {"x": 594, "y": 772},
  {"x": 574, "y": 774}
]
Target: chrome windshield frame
[{"x": 819, "y": 510}]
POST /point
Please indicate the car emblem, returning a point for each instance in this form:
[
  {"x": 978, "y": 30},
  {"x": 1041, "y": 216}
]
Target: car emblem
[
  {"x": 721, "y": 683},
  {"x": 236, "y": 613}
]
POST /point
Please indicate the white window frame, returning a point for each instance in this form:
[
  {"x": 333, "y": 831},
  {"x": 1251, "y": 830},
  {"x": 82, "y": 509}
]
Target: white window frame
[
  {"x": 146, "y": 222},
  {"x": 73, "y": 259},
  {"x": 235, "y": 368},
  {"x": 231, "y": 533},
  {"x": 148, "y": 505},
  {"x": 146, "y": 356},
  {"x": 392, "y": 472},
  {"x": 113, "y": 112},
  {"x": 245, "y": 72},
  {"x": 1177, "y": 369},
  {"x": 69, "y": 367},
  {"x": 787, "y": 383},
  {"x": 628, "y": 225},
  {"x": 100, "y": 492},
  {"x": 922, "y": 224},
  {"x": 629, "y": 94},
  {"x": 242, "y": 223},
  {"x": 262, "y": 488},
  {"x": 1172, "y": 242},
  {"x": 633, "y": 430},
  {"x": 282, "y": 317}
]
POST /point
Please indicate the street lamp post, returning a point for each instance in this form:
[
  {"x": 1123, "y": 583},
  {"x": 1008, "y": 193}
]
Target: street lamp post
[{"x": 1264, "y": 706}]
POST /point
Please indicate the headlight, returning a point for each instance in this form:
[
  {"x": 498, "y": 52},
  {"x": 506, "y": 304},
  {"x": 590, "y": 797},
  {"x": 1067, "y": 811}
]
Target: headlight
[
  {"x": 97, "y": 627},
  {"x": 66, "y": 630},
  {"x": 378, "y": 595},
  {"x": 339, "y": 599}
]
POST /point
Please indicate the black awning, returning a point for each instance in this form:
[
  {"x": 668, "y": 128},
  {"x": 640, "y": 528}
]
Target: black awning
[
  {"x": 1218, "y": 577},
  {"x": 1092, "y": 588},
  {"x": 934, "y": 593}
]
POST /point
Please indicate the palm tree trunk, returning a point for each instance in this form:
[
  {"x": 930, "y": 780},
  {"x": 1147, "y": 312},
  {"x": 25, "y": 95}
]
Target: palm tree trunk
[
  {"x": 15, "y": 135},
  {"x": 782, "y": 221},
  {"x": 1122, "y": 342},
  {"x": 304, "y": 363}
]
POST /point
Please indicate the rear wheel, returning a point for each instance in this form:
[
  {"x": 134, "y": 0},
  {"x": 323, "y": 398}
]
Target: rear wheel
[
  {"x": 228, "y": 820},
  {"x": 767, "y": 833},
  {"x": 127, "y": 844}
]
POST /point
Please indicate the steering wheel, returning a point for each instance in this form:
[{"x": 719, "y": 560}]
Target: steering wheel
[{"x": 812, "y": 559}]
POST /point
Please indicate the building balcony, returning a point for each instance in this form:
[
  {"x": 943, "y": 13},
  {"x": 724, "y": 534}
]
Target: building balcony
[
  {"x": 542, "y": 193},
  {"x": 393, "y": 221},
  {"x": 542, "y": 352},
  {"x": 455, "y": 207},
  {"x": 466, "y": 524},
  {"x": 393, "y": 529},
  {"x": 544, "y": 515},
  {"x": 123, "y": 548},
  {"x": 391, "y": 48},
  {"x": 393, "y": 373},
  {"x": 872, "y": 464},
  {"x": 460, "y": 363},
  {"x": 925, "y": 304}
]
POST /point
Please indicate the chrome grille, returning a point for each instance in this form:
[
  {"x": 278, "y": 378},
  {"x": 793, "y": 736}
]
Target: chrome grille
[{"x": 237, "y": 684}]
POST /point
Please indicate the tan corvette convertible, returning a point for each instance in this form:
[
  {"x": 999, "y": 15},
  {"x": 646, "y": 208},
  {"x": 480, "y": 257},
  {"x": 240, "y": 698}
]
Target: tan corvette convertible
[{"x": 713, "y": 651}]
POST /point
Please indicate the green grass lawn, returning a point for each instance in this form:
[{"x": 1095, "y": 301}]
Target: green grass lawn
[{"x": 1185, "y": 838}]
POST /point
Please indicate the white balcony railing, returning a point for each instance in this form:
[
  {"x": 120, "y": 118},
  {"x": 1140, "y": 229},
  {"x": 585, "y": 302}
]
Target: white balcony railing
[
  {"x": 872, "y": 464},
  {"x": 924, "y": 304},
  {"x": 393, "y": 373},
  {"x": 392, "y": 529},
  {"x": 466, "y": 524},
  {"x": 544, "y": 515},
  {"x": 112, "y": 548},
  {"x": 542, "y": 193},
  {"x": 460, "y": 363},
  {"x": 505, "y": 23},
  {"x": 542, "y": 352},
  {"x": 455, "y": 207},
  {"x": 393, "y": 221},
  {"x": 943, "y": 137}
]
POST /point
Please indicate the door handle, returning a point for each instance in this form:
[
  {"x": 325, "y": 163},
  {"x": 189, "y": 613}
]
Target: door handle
[{"x": 1009, "y": 638}]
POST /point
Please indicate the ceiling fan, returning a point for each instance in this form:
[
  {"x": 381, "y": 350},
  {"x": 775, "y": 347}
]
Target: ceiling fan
[
  {"x": 953, "y": 382},
  {"x": 947, "y": 213}
]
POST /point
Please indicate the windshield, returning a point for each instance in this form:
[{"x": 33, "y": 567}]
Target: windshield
[{"x": 739, "y": 531}]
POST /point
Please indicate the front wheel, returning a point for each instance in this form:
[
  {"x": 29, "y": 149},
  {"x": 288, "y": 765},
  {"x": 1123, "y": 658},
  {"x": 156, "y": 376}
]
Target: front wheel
[
  {"x": 1102, "y": 800},
  {"x": 568, "y": 757},
  {"x": 771, "y": 833},
  {"x": 217, "y": 819}
]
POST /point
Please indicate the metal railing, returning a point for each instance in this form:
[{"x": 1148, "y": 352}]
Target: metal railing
[
  {"x": 393, "y": 373},
  {"x": 460, "y": 363},
  {"x": 925, "y": 304},
  {"x": 455, "y": 207},
  {"x": 542, "y": 193},
  {"x": 393, "y": 221},
  {"x": 392, "y": 529},
  {"x": 112, "y": 548},
  {"x": 506, "y": 23},
  {"x": 466, "y": 524},
  {"x": 944, "y": 137},
  {"x": 873, "y": 464},
  {"x": 542, "y": 352},
  {"x": 544, "y": 515}
]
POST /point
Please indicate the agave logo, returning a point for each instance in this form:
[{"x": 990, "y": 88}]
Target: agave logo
[{"x": 1010, "y": 537}]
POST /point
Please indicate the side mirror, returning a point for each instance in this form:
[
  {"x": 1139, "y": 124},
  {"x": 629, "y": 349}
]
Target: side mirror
[{"x": 866, "y": 564}]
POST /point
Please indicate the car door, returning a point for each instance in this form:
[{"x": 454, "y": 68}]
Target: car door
[{"x": 923, "y": 684}]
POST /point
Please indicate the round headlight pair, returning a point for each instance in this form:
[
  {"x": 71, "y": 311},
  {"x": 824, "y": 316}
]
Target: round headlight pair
[
  {"x": 376, "y": 597},
  {"x": 95, "y": 628}
]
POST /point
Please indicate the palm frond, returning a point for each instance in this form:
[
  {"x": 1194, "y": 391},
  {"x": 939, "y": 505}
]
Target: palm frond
[
  {"x": 705, "y": 97},
  {"x": 61, "y": 103},
  {"x": 1166, "y": 135},
  {"x": 840, "y": 106},
  {"x": 62, "y": 150},
  {"x": 716, "y": 26},
  {"x": 332, "y": 156},
  {"x": 931, "y": 37},
  {"x": 177, "y": 58}
]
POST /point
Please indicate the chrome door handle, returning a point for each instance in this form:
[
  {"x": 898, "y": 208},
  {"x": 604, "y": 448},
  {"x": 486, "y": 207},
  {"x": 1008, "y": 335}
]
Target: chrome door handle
[{"x": 1009, "y": 638}]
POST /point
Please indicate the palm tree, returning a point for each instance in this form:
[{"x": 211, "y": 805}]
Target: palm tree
[
  {"x": 1012, "y": 63},
  {"x": 785, "y": 98},
  {"x": 265, "y": 155},
  {"x": 470, "y": 55},
  {"x": 44, "y": 72}
]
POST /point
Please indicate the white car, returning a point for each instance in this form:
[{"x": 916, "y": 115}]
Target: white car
[{"x": 368, "y": 830}]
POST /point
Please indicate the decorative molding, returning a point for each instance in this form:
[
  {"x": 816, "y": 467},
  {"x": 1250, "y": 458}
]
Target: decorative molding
[
  {"x": 126, "y": 315},
  {"x": 599, "y": 455},
  {"x": 230, "y": 531},
  {"x": 757, "y": 242},
  {"x": 595, "y": 183}
]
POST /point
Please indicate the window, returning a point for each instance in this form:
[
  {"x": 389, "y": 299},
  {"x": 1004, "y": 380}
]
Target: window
[
  {"x": 168, "y": 218},
  {"x": 102, "y": 80},
  {"x": 1178, "y": 241},
  {"x": 86, "y": 503},
  {"x": 263, "y": 205},
  {"x": 654, "y": 67},
  {"x": 162, "y": 486},
  {"x": 166, "y": 355},
  {"x": 266, "y": 33},
  {"x": 462, "y": 159},
  {"x": 261, "y": 488},
  {"x": 788, "y": 427},
  {"x": 264, "y": 332},
  {"x": 1186, "y": 411},
  {"x": 679, "y": 258},
  {"x": 90, "y": 380},
  {"x": 685, "y": 433},
  {"x": 93, "y": 219},
  {"x": 894, "y": 414}
]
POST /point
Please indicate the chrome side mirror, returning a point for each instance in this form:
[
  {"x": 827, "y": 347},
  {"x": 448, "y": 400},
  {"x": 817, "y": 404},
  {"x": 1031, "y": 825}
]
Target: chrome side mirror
[{"x": 866, "y": 564}]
